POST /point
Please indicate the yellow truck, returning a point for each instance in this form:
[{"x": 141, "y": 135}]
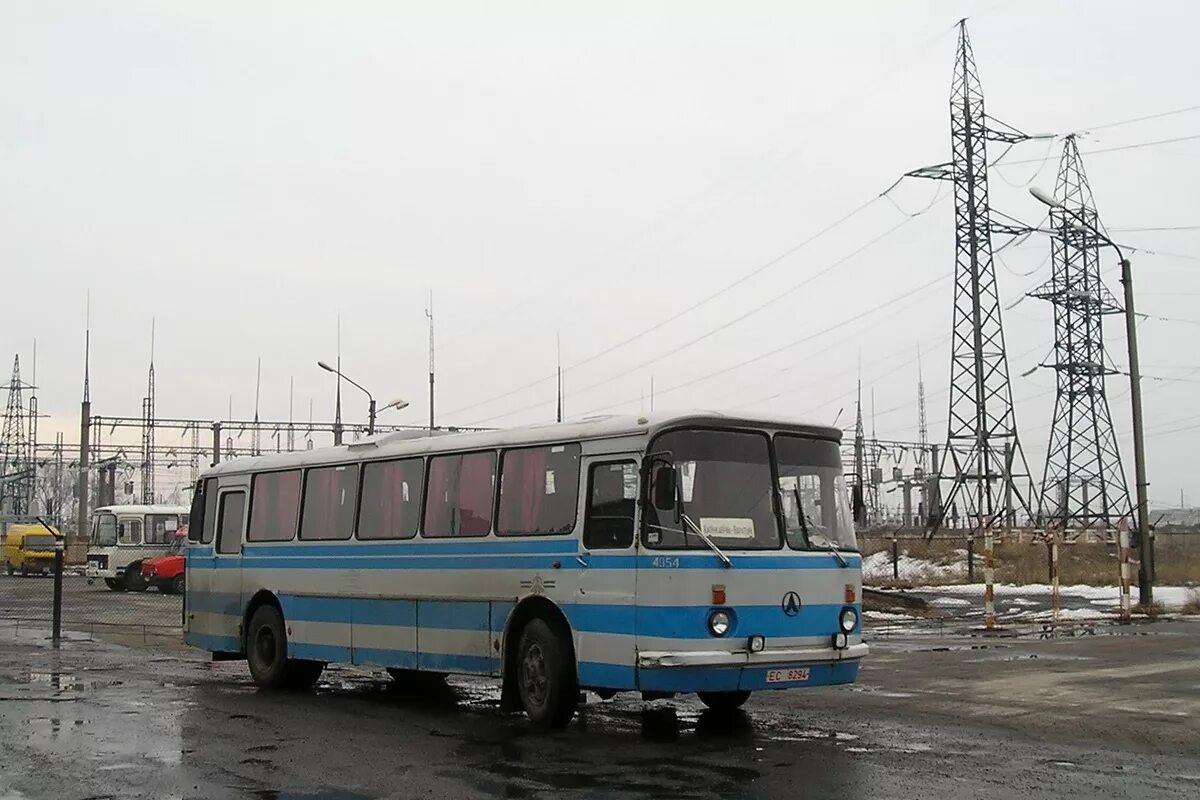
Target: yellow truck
[{"x": 29, "y": 549}]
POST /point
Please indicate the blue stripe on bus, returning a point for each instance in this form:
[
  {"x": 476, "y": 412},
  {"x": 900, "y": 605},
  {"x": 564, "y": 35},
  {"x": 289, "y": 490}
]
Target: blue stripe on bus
[
  {"x": 598, "y": 675},
  {"x": 691, "y": 622},
  {"x": 519, "y": 561},
  {"x": 665, "y": 622},
  {"x": 214, "y": 602},
  {"x": 212, "y": 642}
]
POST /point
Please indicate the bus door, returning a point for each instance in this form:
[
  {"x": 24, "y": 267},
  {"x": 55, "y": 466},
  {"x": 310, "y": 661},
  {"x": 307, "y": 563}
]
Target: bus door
[
  {"x": 216, "y": 585},
  {"x": 604, "y": 598}
]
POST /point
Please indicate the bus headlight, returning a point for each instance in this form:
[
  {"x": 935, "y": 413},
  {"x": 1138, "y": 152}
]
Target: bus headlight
[
  {"x": 719, "y": 623},
  {"x": 847, "y": 620}
]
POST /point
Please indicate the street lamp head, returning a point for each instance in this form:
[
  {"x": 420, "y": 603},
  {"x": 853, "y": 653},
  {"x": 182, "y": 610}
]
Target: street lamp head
[
  {"x": 1045, "y": 197},
  {"x": 325, "y": 366},
  {"x": 397, "y": 404}
]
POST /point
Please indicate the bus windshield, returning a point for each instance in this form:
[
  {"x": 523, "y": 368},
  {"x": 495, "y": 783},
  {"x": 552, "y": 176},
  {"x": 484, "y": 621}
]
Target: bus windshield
[
  {"x": 104, "y": 532},
  {"x": 725, "y": 487},
  {"x": 816, "y": 508}
]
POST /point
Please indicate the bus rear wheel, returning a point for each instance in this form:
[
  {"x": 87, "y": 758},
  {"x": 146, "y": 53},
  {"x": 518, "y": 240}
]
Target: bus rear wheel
[
  {"x": 546, "y": 676},
  {"x": 266, "y": 652},
  {"x": 723, "y": 701}
]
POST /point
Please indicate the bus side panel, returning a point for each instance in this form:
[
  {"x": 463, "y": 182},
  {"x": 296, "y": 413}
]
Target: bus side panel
[
  {"x": 384, "y": 632},
  {"x": 214, "y": 602}
]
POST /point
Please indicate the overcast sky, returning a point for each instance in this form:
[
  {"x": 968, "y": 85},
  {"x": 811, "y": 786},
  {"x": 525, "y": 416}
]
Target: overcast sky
[{"x": 247, "y": 172}]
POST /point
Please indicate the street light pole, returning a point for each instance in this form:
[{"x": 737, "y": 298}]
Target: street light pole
[
  {"x": 1145, "y": 545},
  {"x": 396, "y": 404},
  {"x": 370, "y": 416}
]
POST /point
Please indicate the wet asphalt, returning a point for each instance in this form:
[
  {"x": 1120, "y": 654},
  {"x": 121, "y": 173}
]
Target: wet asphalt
[{"x": 99, "y": 720}]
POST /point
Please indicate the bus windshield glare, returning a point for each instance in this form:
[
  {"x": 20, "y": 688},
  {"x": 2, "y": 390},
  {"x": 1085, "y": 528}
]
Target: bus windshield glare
[
  {"x": 816, "y": 509},
  {"x": 725, "y": 487},
  {"x": 104, "y": 534}
]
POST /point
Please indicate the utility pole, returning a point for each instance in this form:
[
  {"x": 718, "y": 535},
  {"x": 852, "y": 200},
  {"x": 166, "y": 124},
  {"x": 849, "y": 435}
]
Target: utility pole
[
  {"x": 558, "y": 357},
  {"x": 429, "y": 316},
  {"x": 148, "y": 428},
  {"x": 85, "y": 428},
  {"x": 1145, "y": 543},
  {"x": 859, "y": 496},
  {"x": 337, "y": 410}
]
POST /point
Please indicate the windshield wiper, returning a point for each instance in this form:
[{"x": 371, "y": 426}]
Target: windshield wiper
[
  {"x": 837, "y": 554},
  {"x": 704, "y": 537},
  {"x": 804, "y": 529}
]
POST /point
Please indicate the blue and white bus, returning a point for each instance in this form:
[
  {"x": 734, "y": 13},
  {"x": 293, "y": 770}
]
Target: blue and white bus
[{"x": 661, "y": 554}]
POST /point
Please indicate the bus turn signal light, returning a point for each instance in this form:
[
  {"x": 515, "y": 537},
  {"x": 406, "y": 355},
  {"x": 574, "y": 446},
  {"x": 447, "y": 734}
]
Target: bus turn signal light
[
  {"x": 718, "y": 594},
  {"x": 851, "y": 593}
]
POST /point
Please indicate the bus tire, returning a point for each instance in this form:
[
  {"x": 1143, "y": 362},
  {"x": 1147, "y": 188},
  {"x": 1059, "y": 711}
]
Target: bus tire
[
  {"x": 724, "y": 701},
  {"x": 266, "y": 653},
  {"x": 545, "y": 676},
  {"x": 114, "y": 584}
]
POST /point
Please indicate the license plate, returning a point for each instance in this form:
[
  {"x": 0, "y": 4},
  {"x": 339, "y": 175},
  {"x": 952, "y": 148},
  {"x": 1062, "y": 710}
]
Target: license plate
[{"x": 787, "y": 675}]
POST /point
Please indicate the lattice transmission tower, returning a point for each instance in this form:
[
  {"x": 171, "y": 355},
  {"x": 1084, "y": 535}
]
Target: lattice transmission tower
[
  {"x": 983, "y": 459},
  {"x": 1083, "y": 485},
  {"x": 16, "y": 456}
]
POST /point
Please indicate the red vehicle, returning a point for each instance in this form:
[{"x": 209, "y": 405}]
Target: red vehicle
[{"x": 167, "y": 572}]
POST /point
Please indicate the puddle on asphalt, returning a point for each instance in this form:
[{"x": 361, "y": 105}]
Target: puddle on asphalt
[
  {"x": 329, "y": 794},
  {"x": 66, "y": 681}
]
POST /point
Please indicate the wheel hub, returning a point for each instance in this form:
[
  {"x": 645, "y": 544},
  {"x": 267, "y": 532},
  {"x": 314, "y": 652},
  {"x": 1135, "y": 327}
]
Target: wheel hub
[{"x": 533, "y": 675}]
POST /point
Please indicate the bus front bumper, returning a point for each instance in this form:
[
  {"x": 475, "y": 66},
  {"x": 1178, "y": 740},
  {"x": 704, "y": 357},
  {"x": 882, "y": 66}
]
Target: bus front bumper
[
  {"x": 743, "y": 658},
  {"x": 723, "y": 671}
]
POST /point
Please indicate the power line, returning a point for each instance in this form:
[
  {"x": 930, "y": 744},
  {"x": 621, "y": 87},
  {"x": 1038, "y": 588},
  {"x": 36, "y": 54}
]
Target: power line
[
  {"x": 788, "y": 346},
  {"x": 704, "y": 300},
  {"x": 1134, "y": 146},
  {"x": 1145, "y": 118},
  {"x": 1147, "y": 230},
  {"x": 775, "y": 298}
]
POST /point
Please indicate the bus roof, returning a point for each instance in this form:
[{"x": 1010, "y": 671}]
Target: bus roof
[
  {"x": 142, "y": 509},
  {"x": 404, "y": 443}
]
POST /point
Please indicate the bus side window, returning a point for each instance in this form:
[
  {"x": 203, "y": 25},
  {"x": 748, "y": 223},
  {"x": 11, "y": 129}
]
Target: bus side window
[
  {"x": 612, "y": 500},
  {"x": 129, "y": 531},
  {"x": 208, "y": 520},
  {"x": 232, "y": 520}
]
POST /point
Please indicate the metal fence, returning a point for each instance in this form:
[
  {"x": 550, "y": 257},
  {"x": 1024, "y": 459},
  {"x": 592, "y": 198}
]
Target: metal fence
[
  {"x": 1022, "y": 575},
  {"x": 88, "y": 606}
]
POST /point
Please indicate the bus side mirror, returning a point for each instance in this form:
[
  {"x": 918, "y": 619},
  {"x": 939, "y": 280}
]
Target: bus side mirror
[{"x": 665, "y": 490}]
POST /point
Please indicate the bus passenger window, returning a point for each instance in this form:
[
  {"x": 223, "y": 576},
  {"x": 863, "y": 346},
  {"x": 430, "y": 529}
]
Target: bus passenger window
[
  {"x": 391, "y": 499},
  {"x": 539, "y": 490},
  {"x": 274, "y": 506},
  {"x": 460, "y": 494},
  {"x": 329, "y": 496},
  {"x": 229, "y": 536},
  {"x": 612, "y": 500}
]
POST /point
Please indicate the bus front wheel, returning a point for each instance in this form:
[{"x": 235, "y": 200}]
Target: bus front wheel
[
  {"x": 546, "y": 676},
  {"x": 266, "y": 652},
  {"x": 723, "y": 701}
]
